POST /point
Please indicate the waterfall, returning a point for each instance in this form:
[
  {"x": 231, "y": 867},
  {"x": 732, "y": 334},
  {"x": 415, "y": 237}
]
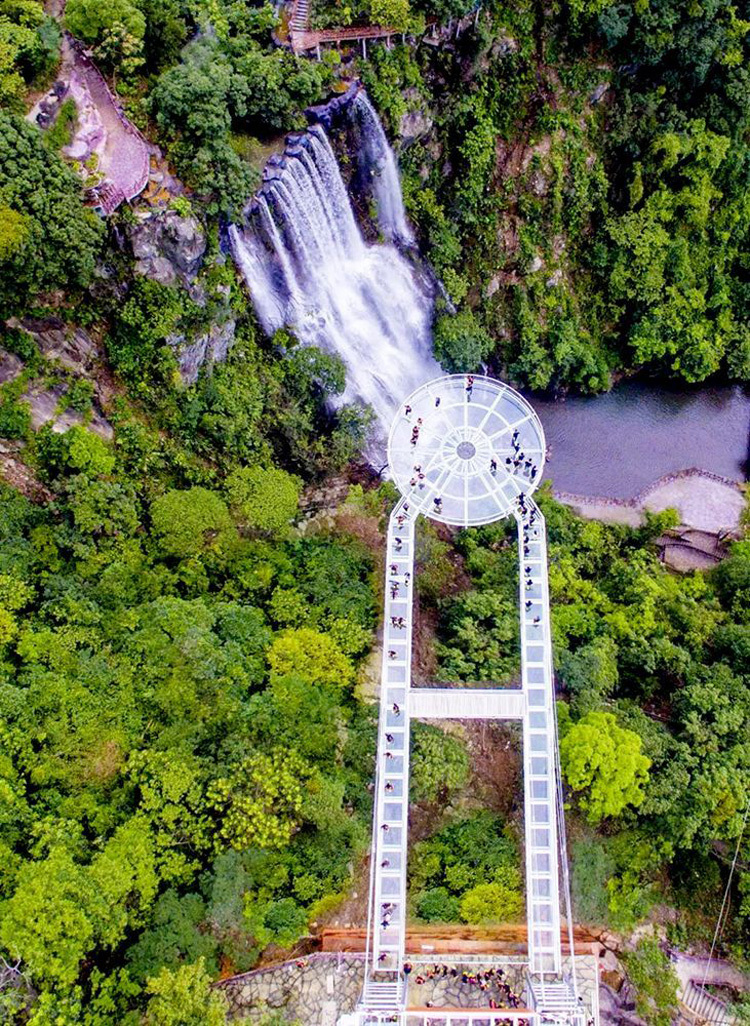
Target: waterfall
[
  {"x": 307, "y": 265},
  {"x": 377, "y": 161}
]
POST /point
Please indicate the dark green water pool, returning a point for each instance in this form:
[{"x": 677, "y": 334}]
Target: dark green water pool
[{"x": 619, "y": 443}]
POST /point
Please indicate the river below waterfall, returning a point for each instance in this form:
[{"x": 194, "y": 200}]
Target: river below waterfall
[{"x": 617, "y": 444}]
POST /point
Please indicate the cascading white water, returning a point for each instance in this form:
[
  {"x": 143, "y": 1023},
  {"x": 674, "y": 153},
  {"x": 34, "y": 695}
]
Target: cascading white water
[
  {"x": 307, "y": 265},
  {"x": 380, "y": 163}
]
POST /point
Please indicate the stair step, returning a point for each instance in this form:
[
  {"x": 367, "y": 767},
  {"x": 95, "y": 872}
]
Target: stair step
[{"x": 703, "y": 1004}]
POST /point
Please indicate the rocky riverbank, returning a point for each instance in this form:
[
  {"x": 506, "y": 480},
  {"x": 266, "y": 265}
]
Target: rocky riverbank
[{"x": 705, "y": 501}]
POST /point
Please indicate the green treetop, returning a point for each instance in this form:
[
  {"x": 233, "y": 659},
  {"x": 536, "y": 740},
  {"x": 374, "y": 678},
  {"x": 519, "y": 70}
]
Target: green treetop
[
  {"x": 263, "y": 497},
  {"x": 185, "y": 522},
  {"x": 182, "y": 997},
  {"x": 606, "y": 761}
]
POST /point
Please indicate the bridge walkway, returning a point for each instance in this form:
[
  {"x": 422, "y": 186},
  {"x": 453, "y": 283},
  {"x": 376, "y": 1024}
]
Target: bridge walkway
[
  {"x": 539, "y": 745},
  {"x": 387, "y": 916},
  {"x": 532, "y": 705}
]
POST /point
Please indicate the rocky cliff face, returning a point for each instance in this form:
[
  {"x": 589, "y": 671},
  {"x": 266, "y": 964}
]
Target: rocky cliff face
[
  {"x": 211, "y": 347},
  {"x": 167, "y": 247},
  {"x": 417, "y": 123},
  {"x": 75, "y": 350}
]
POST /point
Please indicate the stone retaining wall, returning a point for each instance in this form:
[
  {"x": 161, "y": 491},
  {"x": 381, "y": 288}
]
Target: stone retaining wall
[
  {"x": 316, "y": 990},
  {"x": 637, "y": 500}
]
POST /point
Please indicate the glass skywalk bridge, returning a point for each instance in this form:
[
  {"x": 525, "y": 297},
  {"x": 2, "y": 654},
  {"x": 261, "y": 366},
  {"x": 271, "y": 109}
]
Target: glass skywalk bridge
[{"x": 466, "y": 451}]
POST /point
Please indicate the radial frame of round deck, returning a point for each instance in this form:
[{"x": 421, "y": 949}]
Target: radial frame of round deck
[{"x": 460, "y": 430}]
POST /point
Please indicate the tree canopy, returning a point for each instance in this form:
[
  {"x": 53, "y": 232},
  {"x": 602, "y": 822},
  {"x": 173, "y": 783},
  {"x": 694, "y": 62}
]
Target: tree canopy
[
  {"x": 606, "y": 762},
  {"x": 51, "y": 239}
]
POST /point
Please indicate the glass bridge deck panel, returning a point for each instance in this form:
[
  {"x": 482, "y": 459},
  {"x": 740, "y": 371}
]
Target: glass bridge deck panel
[
  {"x": 462, "y": 449},
  {"x": 542, "y": 869}
]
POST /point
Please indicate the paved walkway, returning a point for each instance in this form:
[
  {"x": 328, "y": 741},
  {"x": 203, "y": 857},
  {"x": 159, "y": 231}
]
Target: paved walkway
[{"x": 705, "y": 501}]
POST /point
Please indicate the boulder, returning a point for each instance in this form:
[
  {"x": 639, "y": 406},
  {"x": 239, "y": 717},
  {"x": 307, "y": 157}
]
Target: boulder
[
  {"x": 168, "y": 247},
  {"x": 492, "y": 286}
]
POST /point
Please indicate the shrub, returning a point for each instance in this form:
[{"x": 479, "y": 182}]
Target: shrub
[
  {"x": 183, "y": 521},
  {"x": 655, "y": 981},
  {"x": 460, "y": 343},
  {"x": 439, "y": 763},
  {"x": 496, "y": 902},
  {"x": 263, "y": 497},
  {"x": 438, "y": 905}
]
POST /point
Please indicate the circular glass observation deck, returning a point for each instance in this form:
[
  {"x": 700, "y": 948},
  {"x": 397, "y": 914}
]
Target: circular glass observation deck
[{"x": 463, "y": 448}]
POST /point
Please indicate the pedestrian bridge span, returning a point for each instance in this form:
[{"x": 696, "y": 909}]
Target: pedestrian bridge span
[{"x": 466, "y": 451}]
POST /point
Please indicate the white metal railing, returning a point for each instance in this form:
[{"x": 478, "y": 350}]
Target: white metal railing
[
  {"x": 706, "y": 1006},
  {"x": 437, "y": 957},
  {"x": 467, "y": 703},
  {"x": 444, "y": 1017}
]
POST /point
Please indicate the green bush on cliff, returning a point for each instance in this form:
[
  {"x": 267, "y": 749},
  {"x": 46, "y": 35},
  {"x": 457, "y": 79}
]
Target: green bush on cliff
[{"x": 460, "y": 342}]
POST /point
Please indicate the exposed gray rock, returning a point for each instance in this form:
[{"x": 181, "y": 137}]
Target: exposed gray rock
[
  {"x": 504, "y": 46},
  {"x": 416, "y": 123},
  {"x": 599, "y": 92},
  {"x": 168, "y": 247},
  {"x": 536, "y": 264},
  {"x": 72, "y": 346},
  {"x": 158, "y": 269},
  {"x": 44, "y": 405},
  {"x": 15, "y": 471},
  {"x": 492, "y": 286},
  {"x": 414, "y": 126},
  {"x": 211, "y": 347},
  {"x": 10, "y": 366},
  {"x": 539, "y": 184}
]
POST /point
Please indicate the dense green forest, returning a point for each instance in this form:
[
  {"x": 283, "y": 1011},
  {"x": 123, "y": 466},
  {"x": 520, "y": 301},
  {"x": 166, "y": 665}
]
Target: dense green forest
[
  {"x": 582, "y": 190},
  {"x": 656, "y": 713},
  {"x": 186, "y": 721}
]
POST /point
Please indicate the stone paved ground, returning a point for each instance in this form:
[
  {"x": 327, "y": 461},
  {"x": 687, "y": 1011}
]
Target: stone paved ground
[
  {"x": 703, "y": 503},
  {"x": 451, "y": 992},
  {"x": 318, "y": 989}
]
